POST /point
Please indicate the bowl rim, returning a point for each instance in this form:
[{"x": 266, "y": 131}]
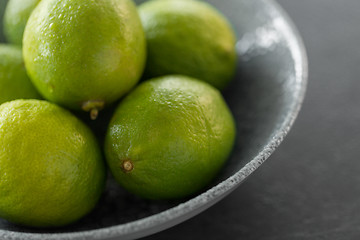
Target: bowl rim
[{"x": 160, "y": 221}]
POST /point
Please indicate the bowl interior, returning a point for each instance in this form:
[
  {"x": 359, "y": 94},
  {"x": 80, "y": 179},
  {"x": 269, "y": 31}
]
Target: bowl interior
[{"x": 264, "y": 97}]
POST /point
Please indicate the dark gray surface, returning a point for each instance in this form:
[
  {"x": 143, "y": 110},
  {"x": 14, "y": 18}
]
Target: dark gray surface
[
  {"x": 2, "y": 8},
  {"x": 310, "y": 187}
]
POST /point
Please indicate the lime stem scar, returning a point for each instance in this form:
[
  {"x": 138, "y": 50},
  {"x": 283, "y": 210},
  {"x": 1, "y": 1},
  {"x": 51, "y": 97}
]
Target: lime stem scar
[
  {"x": 93, "y": 106},
  {"x": 127, "y": 166},
  {"x": 94, "y": 113}
]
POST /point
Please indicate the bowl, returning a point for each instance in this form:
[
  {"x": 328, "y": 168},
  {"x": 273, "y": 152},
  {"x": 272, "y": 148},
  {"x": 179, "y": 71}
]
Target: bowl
[{"x": 265, "y": 98}]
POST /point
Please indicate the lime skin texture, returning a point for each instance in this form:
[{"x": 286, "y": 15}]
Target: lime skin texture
[
  {"x": 169, "y": 138},
  {"x": 16, "y": 15},
  {"x": 84, "y": 54},
  {"x": 52, "y": 172},
  {"x": 189, "y": 38},
  {"x": 14, "y": 81}
]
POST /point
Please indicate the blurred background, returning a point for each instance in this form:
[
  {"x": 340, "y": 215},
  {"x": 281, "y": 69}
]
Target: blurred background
[
  {"x": 2, "y": 7},
  {"x": 310, "y": 187}
]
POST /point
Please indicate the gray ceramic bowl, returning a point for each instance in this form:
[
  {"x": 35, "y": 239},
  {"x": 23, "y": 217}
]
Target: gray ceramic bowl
[{"x": 265, "y": 98}]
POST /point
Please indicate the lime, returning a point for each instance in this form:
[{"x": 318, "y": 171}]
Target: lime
[
  {"x": 14, "y": 82},
  {"x": 84, "y": 54},
  {"x": 169, "y": 137},
  {"x": 52, "y": 172},
  {"x": 189, "y": 38},
  {"x": 16, "y": 15}
]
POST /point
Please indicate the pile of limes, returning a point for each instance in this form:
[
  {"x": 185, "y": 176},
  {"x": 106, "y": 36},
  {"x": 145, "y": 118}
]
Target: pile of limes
[{"x": 169, "y": 135}]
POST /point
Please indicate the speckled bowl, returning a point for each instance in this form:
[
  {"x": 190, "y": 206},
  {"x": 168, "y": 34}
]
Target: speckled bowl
[{"x": 265, "y": 98}]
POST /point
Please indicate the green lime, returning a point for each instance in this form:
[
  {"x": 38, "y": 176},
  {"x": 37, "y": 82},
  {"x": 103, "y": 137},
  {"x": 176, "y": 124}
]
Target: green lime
[
  {"x": 190, "y": 38},
  {"x": 16, "y": 15},
  {"x": 84, "y": 54},
  {"x": 52, "y": 172},
  {"x": 14, "y": 82},
  {"x": 169, "y": 137}
]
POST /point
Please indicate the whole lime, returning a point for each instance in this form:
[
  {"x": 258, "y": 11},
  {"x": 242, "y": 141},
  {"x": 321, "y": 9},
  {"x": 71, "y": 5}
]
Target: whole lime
[
  {"x": 169, "y": 137},
  {"x": 189, "y": 38},
  {"x": 52, "y": 172},
  {"x": 84, "y": 54},
  {"x": 16, "y": 15},
  {"x": 14, "y": 81}
]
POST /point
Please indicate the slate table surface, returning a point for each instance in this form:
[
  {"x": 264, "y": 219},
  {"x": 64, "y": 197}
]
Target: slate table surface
[{"x": 310, "y": 187}]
